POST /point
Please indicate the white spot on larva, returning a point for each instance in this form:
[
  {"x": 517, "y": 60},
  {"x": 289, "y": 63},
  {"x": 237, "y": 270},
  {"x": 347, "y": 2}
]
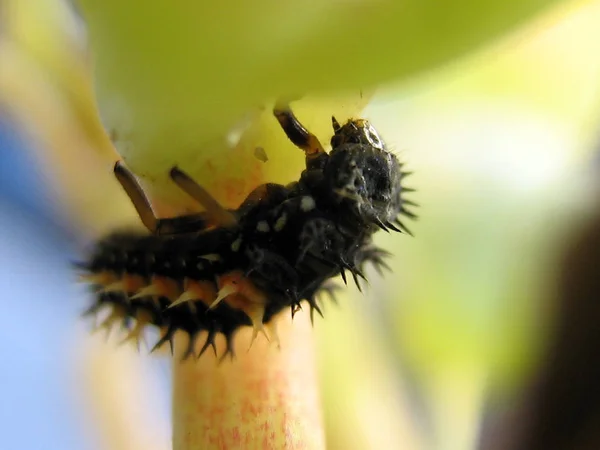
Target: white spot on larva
[
  {"x": 263, "y": 226},
  {"x": 235, "y": 246},
  {"x": 280, "y": 222},
  {"x": 373, "y": 137},
  {"x": 307, "y": 203}
]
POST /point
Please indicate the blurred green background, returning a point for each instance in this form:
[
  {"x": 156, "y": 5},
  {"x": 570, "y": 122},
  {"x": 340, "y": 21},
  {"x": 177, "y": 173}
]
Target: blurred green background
[{"x": 503, "y": 141}]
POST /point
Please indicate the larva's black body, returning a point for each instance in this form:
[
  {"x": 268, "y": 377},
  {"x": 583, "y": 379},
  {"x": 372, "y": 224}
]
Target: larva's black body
[{"x": 224, "y": 269}]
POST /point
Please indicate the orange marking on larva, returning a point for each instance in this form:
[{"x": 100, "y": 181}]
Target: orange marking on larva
[
  {"x": 148, "y": 291},
  {"x": 167, "y": 287},
  {"x": 127, "y": 284},
  {"x": 133, "y": 283},
  {"x": 160, "y": 286},
  {"x": 100, "y": 278},
  {"x": 243, "y": 286},
  {"x": 203, "y": 291},
  {"x": 116, "y": 286},
  {"x": 239, "y": 292}
]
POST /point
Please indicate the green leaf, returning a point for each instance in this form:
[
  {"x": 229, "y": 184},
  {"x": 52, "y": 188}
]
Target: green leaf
[{"x": 172, "y": 78}]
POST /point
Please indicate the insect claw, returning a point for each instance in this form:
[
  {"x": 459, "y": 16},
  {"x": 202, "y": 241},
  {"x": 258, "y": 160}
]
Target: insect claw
[
  {"x": 343, "y": 274},
  {"x": 118, "y": 313},
  {"x": 129, "y": 338},
  {"x": 408, "y": 213},
  {"x": 136, "y": 333},
  {"x": 385, "y": 265},
  {"x": 392, "y": 227},
  {"x": 295, "y": 307},
  {"x": 312, "y": 302},
  {"x": 210, "y": 342},
  {"x": 355, "y": 277},
  {"x": 312, "y": 313},
  {"x": 335, "y": 124},
  {"x": 410, "y": 203},
  {"x": 402, "y": 227},
  {"x": 228, "y": 347},
  {"x": 189, "y": 351},
  {"x": 255, "y": 330},
  {"x": 167, "y": 336},
  {"x": 318, "y": 309},
  {"x": 360, "y": 274},
  {"x": 381, "y": 225},
  {"x": 330, "y": 288},
  {"x": 92, "y": 310}
]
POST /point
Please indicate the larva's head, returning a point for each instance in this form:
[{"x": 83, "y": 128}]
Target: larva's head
[{"x": 363, "y": 173}]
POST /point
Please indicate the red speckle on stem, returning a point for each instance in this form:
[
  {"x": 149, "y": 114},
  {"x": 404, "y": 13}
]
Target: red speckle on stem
[{"x": 266, "y": 399}]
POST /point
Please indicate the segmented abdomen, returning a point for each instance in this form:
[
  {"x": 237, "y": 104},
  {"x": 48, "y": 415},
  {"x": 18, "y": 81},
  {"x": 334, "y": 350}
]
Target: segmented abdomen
[
  {"x": 205, "y": 282},
  {"x": 169, "y": 282}
]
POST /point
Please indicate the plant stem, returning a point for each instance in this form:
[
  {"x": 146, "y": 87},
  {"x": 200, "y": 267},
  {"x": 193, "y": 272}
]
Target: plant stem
[{"x": 266, "y": 398}]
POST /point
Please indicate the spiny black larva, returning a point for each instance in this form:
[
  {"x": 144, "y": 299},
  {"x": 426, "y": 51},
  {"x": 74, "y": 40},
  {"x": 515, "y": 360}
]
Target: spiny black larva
[{"x": 222, "y": 269}]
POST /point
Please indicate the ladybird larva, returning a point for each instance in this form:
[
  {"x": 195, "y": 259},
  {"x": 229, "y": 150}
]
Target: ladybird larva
[{"x": 223, "y": 269}]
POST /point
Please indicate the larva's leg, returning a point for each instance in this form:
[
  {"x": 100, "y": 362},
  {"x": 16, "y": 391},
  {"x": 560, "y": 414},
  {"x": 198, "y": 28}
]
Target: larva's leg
[
  {"x": 216, "y": 213},
  {"x": 296, "y": 132},
  {"x": 183, "y": 224}
]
